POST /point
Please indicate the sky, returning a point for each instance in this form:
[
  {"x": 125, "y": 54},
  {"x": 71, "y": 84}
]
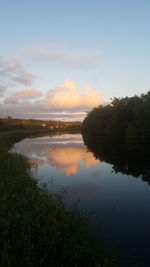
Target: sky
[{"x": 59, "y": 59}]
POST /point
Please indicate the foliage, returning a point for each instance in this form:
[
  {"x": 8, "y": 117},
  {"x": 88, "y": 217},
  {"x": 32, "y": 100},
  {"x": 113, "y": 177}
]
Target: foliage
[
  {"x": 125, "y": 120},
  {"x": 119, "y": 133}
]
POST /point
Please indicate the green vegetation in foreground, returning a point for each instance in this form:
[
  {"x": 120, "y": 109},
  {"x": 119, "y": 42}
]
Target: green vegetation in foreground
[{"x": 36, "y": 228}]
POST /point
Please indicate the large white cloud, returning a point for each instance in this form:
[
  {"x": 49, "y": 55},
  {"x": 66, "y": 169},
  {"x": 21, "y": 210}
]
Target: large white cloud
[{"x": 69, "y": 96}]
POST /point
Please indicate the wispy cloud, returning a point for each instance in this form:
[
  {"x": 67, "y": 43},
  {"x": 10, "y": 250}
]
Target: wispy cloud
[
  {"x": 12, "y": 101},
  {"x": 24, "y": 78},
  {"x": 2, "y": 90},
  {"x": 29, "y": 93},
  {"x": 61, "y": 56},
  {"x": 12, "y": 72}
]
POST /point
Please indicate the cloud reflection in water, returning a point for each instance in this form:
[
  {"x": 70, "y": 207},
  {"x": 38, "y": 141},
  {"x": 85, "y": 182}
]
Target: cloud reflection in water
[{"x": 63, "y": 152}]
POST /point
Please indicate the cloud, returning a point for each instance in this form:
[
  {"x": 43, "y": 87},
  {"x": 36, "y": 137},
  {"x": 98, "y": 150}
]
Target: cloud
[
  {"x": 59, "y": 158},
  {"x": 60, "y": 56},
  {"x": 68, "y": 96},
  {"x": 29, "y": 93},
  {"x": 12, "y": 101},
  {"x": 12, "y": 72},
  {"x": 16, "y": 108},
  {"x": 11, "y": 64},
  {"x": 64, "y": 102},
  {"x": 2, "y": 90},
  {"x": 56, "y": 152},
  {"x": 25, "y": 78}
]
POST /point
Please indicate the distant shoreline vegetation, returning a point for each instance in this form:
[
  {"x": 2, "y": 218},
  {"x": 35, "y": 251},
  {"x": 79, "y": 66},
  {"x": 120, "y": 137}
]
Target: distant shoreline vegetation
[
  {"x": 10, "y": 124},
  {"x": 119, "y": 133}
]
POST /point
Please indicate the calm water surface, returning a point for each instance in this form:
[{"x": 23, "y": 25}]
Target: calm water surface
[{"x": 122, "y": 202}]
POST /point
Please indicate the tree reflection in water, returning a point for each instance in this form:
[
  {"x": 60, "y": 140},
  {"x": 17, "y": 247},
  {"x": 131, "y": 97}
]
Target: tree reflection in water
[{"x": 125, "y": 159}]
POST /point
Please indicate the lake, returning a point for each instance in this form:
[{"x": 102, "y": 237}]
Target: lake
[{"x": 122, "y": 202}]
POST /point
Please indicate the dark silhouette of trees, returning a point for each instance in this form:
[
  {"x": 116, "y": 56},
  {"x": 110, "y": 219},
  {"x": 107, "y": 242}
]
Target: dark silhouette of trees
[
  {"x": 125, "y": 120},
  {"x": 119, "y": 133}
]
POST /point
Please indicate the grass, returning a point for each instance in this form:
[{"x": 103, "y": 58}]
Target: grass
[{"x": 36, "y": 228}]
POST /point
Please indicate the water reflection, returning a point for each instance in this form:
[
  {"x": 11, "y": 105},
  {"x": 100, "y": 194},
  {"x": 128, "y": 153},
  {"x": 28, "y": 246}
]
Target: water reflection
[
  {"x": 119, "y": 199},
  {"x": 124, "y": 159},
  {"x": 65, "y": 152}
]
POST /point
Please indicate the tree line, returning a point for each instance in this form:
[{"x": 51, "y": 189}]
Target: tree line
[
  {"x": 10, "y": 124},
  {"x": 124, "y": 121},
  {"x": 119, "y": 134}
]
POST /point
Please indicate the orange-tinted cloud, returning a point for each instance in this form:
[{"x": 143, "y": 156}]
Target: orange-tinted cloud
[
  {"x": 63, "y": 102},
  {"x": 68, "y": 96},
  {"x": 29, "y": 93}
]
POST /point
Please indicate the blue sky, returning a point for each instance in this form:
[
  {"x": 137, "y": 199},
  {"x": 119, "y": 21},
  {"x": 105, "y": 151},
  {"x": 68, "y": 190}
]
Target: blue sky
[{"x": 104, "y": 45}]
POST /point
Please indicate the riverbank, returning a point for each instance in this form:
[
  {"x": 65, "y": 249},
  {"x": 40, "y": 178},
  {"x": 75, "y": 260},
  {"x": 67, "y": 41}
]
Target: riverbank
[{"x": 36, "y": 228}]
